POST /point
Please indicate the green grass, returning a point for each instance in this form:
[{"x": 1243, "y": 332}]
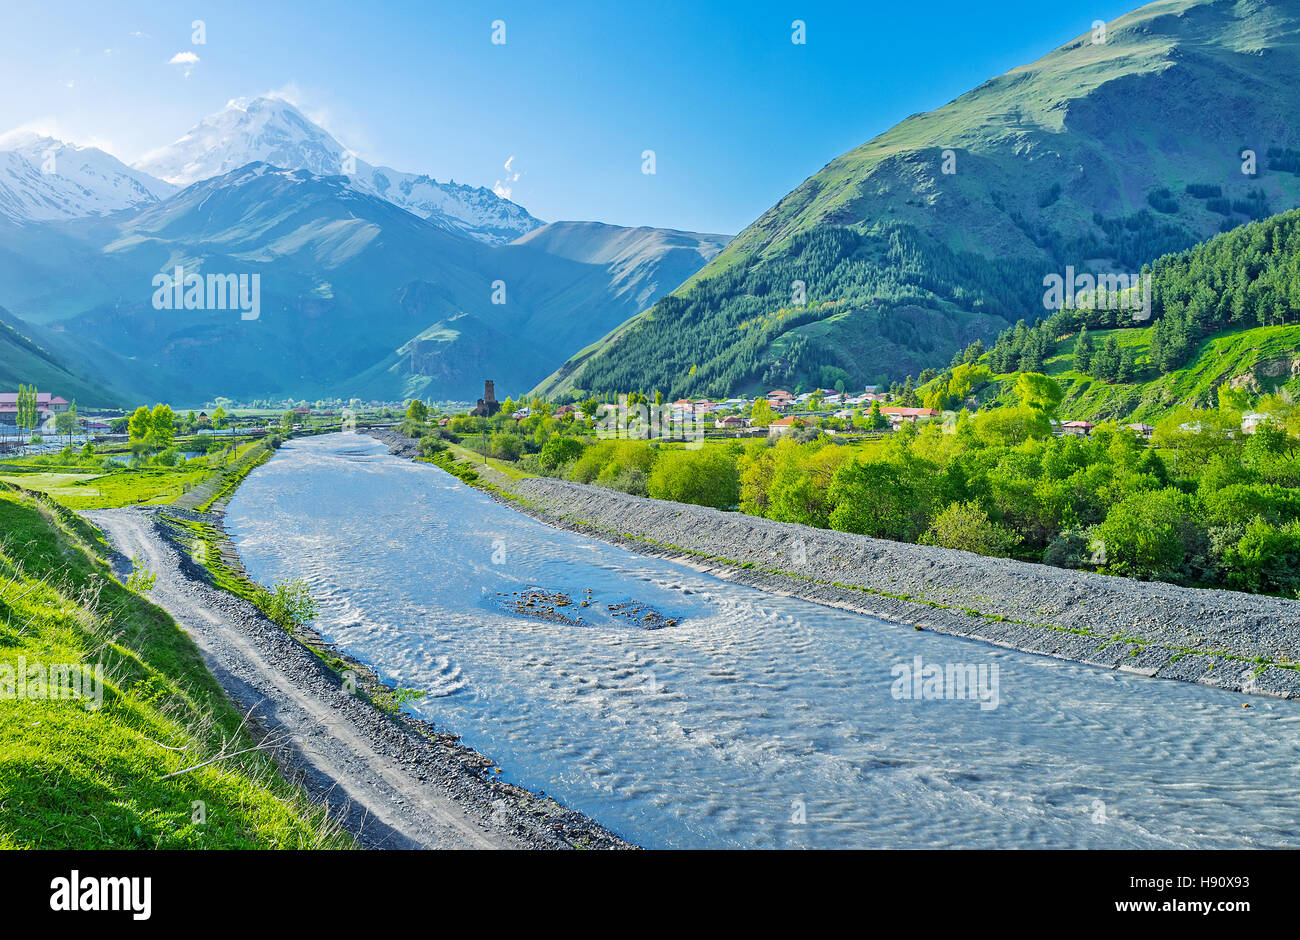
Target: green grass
[
  {"x": 247, "y": 460},
  {"x": 148, "y": 487},
  {"x": 504, "y": 467},
  {"x": 73, "y": 777}
]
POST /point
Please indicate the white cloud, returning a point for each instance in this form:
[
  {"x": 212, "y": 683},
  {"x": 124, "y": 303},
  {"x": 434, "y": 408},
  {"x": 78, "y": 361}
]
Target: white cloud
[
  {"x": 503, "y": 188},
  {"x": 186, "y": 60}
]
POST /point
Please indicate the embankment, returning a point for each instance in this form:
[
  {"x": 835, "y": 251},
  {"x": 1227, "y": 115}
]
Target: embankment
[{"x": 1234, "y": 641}]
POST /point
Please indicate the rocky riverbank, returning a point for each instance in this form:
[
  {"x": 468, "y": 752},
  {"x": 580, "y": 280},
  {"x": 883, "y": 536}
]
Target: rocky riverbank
[{"x": 1220, "y": 638}]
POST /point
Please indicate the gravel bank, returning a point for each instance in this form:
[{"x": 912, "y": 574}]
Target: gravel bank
[
  {"x": 1219, "y": 638},
  {"x": 397, "y": 782}
]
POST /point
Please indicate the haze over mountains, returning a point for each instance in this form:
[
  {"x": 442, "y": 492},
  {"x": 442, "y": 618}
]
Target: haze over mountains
[
  {"x": 1081, "y": 158},
  {"x": 374, "y": 283},
  {"x": 1108, "y": 152}
]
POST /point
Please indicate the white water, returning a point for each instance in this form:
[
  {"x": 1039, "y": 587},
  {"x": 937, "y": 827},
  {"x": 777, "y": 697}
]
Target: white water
[{"x": 710, "y": 732}]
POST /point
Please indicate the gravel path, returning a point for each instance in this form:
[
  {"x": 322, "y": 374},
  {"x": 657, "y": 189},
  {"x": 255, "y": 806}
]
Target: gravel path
[
  {"x": 397, "y": 783},
  {"x": 1220, "y": 638}
]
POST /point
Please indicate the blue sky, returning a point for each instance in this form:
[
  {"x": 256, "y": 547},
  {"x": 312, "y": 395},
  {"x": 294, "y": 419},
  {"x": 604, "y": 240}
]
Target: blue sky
[{"x": 736, "y": 113}]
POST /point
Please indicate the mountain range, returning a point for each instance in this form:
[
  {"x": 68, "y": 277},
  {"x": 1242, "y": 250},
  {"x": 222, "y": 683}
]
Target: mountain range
[
  {"x": 1168, "y": 126},
  {"x": 373, "y": 283},
  {"x": 1108, "y": 152}
]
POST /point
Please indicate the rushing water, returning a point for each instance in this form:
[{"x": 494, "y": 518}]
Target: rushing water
[{"x": 754, "y": 720}]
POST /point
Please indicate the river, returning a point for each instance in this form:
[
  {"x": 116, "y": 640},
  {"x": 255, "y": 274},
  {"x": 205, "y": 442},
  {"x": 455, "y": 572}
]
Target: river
[{"x": 753, "y": 720}]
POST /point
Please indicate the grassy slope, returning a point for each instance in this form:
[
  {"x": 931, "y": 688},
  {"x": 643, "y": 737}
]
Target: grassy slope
[
  {"x": 72, "y": 777},
  {"x": 23, "y": 361},
  {"x": 1264, "y": 355}
]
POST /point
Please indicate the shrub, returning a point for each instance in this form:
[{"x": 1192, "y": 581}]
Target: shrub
[
  {"x": 705, "y": 477},
  {"x": 558, "y": 451},
  {"x": 966, "y": 526},
  {"x": 506, "y": 446},
  {"x": 289, "y": 604},
  {"x": 1150, "y": 535}
]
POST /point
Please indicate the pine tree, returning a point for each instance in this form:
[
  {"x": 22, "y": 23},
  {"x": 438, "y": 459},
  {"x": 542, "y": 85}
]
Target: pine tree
[{"x": 1083, "y": 351}]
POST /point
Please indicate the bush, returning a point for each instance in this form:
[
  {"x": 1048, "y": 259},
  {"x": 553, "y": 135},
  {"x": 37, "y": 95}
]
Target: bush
[
  {"x": 506, "y": 446},
  {"x": 705, "y": 477},
  {"x": 883, "y": 499},
  {"x": 966, "y": 526},
  {"x": 1068, "y": 550},
  {"x": 1265, "y": 559},
  {"x": 558, "y": 451},
  {"x": 430, "y": 445},
  {"x": 1150, "y": 535},
  {"x": 289, "y": 604}
]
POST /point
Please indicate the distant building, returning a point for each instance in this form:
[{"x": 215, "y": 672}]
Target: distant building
[
  {"x": 897, "y": 414},
  {"x": 487, "y": 405},
  {"x": 1077, "y": 428},
  {"x": 1251, "y": 420},
  {"x": 1143, "y": 430},
  {"x": 733, "y": 422},
  {"x": 782, "y": 426},
  {"x": 47, "y": 406}
]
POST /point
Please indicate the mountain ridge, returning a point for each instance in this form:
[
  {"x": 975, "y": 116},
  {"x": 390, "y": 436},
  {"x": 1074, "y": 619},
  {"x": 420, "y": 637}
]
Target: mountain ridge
[{"x": 1087, "y": 156}]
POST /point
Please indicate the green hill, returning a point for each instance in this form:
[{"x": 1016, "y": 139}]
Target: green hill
[
  {"x": 1224, "y": 311},
  {"x": 1263, "y": 359},
  {"x": 1103, "y": 156},
  {"x": 24, "y": 361}
]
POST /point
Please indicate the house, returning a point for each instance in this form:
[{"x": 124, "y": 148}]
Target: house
[
  {"x": 779, "y": 393},
  {"x": 1142, "y": 430},
  {"x": 521, "y": 414},
  {"x": 203, "y": 417},
  {"x": 733, "y": 422},
  {"x": 898, "y": 414},
  {"x": 564, "y": 410},
  {"x": 782, "y": 426},
  {"x": 845, "y": 415},
  {"x": 1251, "y": 420},
  {"x": 47, "y": 406},
  {"x": 1077, "y": 428},
  {"x": 302, "y": 410}
]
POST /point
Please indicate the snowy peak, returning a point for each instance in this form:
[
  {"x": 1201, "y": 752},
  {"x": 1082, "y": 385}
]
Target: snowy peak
[
  {"x": 257, "y": 130},
  {"x": 273, "y": 131},
  {"x": 43, "y": 179}
]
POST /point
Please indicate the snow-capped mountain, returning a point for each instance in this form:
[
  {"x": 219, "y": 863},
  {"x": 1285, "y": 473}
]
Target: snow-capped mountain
[
  {"x": 43, "y": 179},
  {"x": 272, "y": 130}
]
